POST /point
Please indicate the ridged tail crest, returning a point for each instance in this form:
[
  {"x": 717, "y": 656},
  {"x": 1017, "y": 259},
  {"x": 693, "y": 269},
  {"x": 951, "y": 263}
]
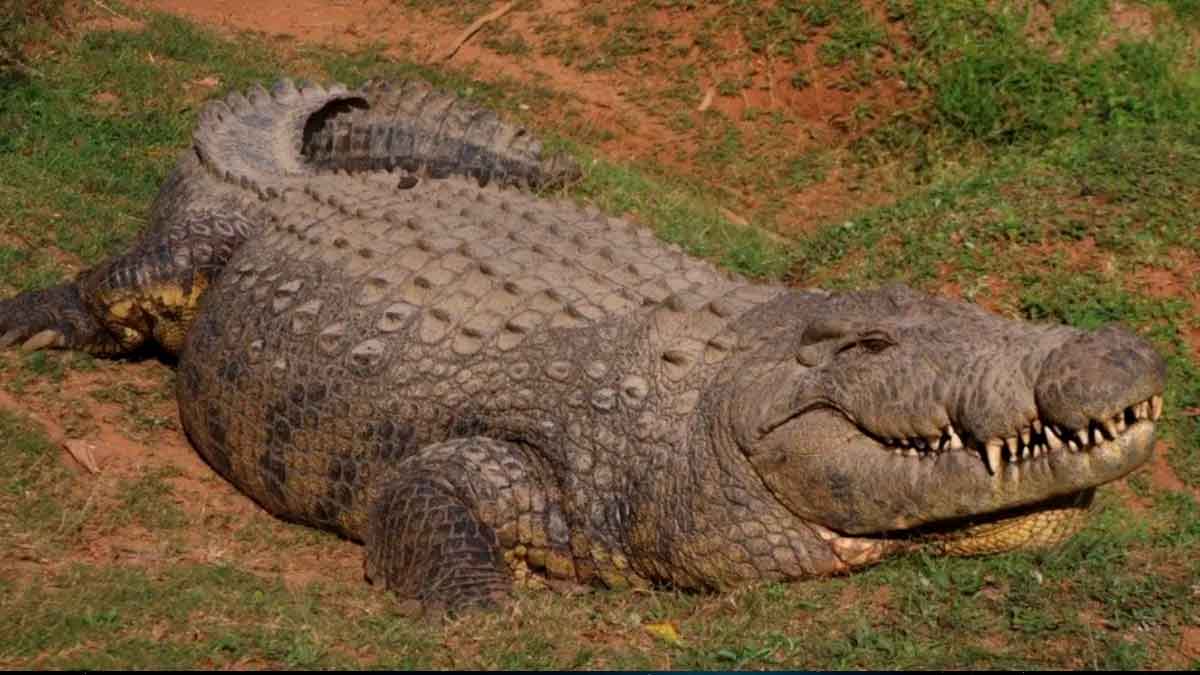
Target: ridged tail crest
[
  {"x": 255, "y": 139},
  {"x": 413, "y": 126}
]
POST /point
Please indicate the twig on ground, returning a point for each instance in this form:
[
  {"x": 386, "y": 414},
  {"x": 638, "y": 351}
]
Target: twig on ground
[
  {"x": 770, "y": 75},
  {"x": 108, "y": 9},
  {"x": 474, "y": 28}
]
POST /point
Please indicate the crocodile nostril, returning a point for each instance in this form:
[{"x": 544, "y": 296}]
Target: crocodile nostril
[{"x": 810, "y": 356}]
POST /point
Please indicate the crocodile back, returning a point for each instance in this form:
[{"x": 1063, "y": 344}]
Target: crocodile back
[{"x": 375, "y": 316}]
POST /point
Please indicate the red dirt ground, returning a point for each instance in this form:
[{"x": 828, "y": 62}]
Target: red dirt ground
[{"x": 609, "y": 101}]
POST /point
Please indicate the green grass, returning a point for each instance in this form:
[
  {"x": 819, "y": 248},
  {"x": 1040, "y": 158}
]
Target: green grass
[
  {"x": 40, "y": 513},
  {"x": 681, "y": 215},
  {"x": 21, "y": 22},
  {"x": 1047, "y": 163}
]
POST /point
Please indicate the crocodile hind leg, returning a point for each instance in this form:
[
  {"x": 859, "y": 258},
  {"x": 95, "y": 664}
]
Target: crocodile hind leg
[
  {"x": 456, "y": 525},
  {"x": 150, "y": 293},
  {"x": 55, "y": 317}
]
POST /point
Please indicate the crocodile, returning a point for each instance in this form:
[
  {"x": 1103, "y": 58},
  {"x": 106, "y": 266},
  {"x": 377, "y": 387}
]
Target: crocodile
[{"x": 383, "y": 331}]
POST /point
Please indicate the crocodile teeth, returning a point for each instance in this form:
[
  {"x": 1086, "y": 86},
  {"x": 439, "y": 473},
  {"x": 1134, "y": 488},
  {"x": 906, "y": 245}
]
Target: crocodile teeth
[
  {"x": 1052, "y": 439},
  {"x": 955, "y": 442},
  {"x": 1110, "y": 429},
  {"x": 1142, "y": 410},
  {"x": 993, "y": 455},
  {"x": 1156, "y": 404},
  {"x": 1071, "y": 439},
  {"x": 1011, "y": 444}
]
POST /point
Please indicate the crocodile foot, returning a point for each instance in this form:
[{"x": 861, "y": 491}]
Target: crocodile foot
[
  {"x": 427, "y": 546},
  {"x": 53, "y": 318}
]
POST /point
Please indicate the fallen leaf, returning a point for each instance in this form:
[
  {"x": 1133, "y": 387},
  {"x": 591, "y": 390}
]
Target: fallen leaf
[
  {"x": 81, "y": 450},
  {"x": 209, "y": 81},
  {"x": 665, "y": 632},
  {"x": 707, "y": 100}
]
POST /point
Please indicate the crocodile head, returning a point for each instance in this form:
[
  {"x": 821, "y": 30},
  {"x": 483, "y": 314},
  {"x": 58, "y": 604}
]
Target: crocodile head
[{"x": 892, "y": 416}]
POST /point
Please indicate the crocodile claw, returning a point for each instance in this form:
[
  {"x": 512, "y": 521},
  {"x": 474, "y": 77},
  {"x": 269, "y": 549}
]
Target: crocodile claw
[
  {"x": 10, "y": 338},
  {"x": 46, "y": 339},
  {"x": 54, "y": 318}
]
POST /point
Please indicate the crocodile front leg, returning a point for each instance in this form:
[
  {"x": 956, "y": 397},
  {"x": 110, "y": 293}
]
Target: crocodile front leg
[{"x": 459, "y": 523}]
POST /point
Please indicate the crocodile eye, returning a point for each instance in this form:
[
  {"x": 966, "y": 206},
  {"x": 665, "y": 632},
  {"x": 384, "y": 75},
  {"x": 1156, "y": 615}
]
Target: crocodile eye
[
  {"x": 872, "y": 343},
  {"x": 875, "y": 345}
]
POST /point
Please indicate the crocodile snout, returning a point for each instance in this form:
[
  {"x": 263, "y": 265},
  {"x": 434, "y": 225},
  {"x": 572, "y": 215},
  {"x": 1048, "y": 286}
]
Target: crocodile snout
[{"x": 1096, "y": 375}]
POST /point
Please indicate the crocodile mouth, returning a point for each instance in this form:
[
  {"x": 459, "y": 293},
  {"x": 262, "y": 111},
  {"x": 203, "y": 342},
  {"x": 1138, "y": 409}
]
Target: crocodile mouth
[
  {"x": 1005, "y": 457},
  {"x": 975, "y": 496},
  {"x": 1039, "y": 453},
  {"x": 1039, "y": 449}
]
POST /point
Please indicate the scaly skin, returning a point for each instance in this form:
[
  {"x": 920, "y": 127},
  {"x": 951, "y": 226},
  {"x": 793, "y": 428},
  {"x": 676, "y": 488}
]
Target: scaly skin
[
  {"x": 253, "y": 148},
  {"x": 489, "y": 388}
]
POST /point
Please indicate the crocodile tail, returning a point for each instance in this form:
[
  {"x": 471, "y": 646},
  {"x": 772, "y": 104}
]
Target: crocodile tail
[
  {"x": 414, "y": 127},
  {"x": 255, "y": 139}
]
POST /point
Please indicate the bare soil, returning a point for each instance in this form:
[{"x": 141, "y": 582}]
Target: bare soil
[
  {"x": 215, "y": 515},
  {"x": 619, "y": 105},
  {"x": 1178, "y": 281}
]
